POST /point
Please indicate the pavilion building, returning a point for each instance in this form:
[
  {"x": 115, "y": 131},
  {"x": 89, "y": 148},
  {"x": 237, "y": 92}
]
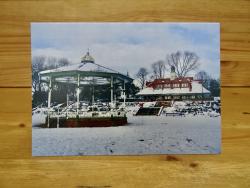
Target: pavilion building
[{"x": 174, "y": 88}]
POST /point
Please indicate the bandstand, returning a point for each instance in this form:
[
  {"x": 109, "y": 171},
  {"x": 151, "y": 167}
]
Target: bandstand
[{"x": 87, "y": 72}]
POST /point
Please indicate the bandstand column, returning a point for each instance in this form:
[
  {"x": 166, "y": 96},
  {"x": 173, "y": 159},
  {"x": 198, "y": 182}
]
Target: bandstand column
[
  {"x": 202, "y": 93},
  {"x": 124, "y": 93},
  {"x": 49, "y": 98},
  {"x": 93, "y": 95},
  {"x": 67, "y": 99},
  {"x": 111, "y": 90},
  {"x": 78, "y": 93},
  {"x": 93, "y": 92}
]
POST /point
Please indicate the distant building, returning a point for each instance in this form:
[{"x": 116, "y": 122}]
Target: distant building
[{"x": 174, "y": 88}]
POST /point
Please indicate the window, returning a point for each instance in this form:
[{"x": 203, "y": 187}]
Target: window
[
  {"x": 184, "y": 85},
  {"x": 167, "y": 85},
  {"x": 176, "y": 85},
  {"x": 158, "y": 87}
]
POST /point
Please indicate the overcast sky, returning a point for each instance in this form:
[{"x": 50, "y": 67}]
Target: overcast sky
[{"x": 128, "y": 46}]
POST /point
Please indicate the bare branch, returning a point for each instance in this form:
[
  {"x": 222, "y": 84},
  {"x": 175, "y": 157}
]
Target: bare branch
[
  {"x": 183, "y": 62},
  {"x": 141, "y": 75},
  {"x": 159, "y": 69}
]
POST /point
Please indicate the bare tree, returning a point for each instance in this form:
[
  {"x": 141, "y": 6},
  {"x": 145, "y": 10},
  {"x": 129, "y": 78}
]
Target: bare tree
[
  {"x": 204, "y": 78},
  {"x": 183, "y": 62},
  {"x": 63, "y": 62},
  {"x": 38, "y": 63},
  {"x": 141, "y": 75},
  {"x": 51, "y": 62},
  {"x": 159, "y": 69}
]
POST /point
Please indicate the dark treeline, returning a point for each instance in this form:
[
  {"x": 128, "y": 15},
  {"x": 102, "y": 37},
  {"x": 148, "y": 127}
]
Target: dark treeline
[
  {"x": 210, "y": 83},
  {"x": 39, "y": 91}
]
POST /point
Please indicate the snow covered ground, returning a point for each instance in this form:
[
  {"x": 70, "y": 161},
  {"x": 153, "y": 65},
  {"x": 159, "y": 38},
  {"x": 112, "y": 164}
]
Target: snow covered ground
[{"x": 198, "y": 134}]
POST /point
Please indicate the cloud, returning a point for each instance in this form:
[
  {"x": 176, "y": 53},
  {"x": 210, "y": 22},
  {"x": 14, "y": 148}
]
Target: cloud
[{"x": 127, "y": 46}]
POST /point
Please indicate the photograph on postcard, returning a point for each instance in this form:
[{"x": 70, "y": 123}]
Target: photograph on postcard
[{"x": 125, "y": 88}]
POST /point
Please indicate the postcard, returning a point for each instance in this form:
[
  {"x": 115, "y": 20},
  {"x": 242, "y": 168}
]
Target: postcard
[{"x": 125, "y": 88}]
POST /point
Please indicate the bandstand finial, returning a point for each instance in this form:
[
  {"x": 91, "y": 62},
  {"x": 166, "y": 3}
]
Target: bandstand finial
[{"x": 87, "y": 58}]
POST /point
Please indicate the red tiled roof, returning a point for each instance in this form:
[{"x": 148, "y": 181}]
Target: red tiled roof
[{"x": 169, "y": 81}]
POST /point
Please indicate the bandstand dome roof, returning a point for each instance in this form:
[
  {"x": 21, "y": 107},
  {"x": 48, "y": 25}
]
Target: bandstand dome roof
[{"x": 87, "y": 70}]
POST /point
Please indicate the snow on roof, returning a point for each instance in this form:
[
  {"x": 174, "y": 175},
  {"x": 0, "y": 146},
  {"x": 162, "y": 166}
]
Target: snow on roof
[
  {"x": 196, "y": 88},
  {"x": 81, "y": 67},
  {"x": 87, "y": 64}
]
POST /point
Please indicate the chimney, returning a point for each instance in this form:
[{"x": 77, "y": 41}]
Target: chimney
[{"x": 172, "y": 73}]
